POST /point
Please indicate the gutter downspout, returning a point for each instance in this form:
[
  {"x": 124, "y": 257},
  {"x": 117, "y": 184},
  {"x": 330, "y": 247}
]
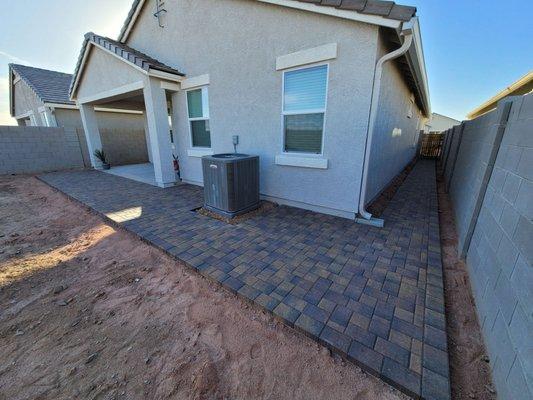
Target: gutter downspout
[{"x": 365, "y": 216}]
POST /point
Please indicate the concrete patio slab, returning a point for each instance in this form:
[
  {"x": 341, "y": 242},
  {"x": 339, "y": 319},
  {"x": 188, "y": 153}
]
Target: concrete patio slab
[
  {"x": 373, "y": 295},
  {"x": 138, "y": 172}
]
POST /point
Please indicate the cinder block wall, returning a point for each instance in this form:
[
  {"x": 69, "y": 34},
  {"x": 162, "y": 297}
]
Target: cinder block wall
[
  {"x": 500, "y": 254},
  {"x": 124, "y": 147},
  {"x": 469, "y": 161},
  {"x": 26, "y": 149}
]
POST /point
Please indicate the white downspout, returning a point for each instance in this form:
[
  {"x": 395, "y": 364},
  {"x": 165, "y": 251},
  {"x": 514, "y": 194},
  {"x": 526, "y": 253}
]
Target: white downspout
[{"x": 366, "y": 217}]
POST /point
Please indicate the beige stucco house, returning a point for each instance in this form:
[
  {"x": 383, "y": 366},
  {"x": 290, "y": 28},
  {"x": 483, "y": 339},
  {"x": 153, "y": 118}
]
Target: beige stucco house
[
  {"x": 439, "y": 123},
  {"x": 331, "y": 95},
  {"x": 40, "y": 97}
]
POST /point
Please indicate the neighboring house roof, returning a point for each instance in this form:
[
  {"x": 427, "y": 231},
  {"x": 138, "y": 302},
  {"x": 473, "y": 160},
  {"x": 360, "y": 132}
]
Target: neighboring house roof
[
  {"x": 522, "y": 86},
  {"x": 378, "y": 8},
  {"x": 48, "y": 86},
  {"x": 137, "y": 59}
]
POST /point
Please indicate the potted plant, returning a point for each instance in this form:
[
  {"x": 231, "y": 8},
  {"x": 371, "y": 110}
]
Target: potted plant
[{"x": 102, "y": 157}]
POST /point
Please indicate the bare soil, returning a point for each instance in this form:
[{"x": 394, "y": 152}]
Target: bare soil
[
  {"x": 90, "y": 312},
  {"x": 470, "y": 374}
]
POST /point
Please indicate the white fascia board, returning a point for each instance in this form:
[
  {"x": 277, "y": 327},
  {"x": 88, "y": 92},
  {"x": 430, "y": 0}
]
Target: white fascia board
[
  {"x": 335, "y": 12},
  {"x": 133, "y": 19},
  {"x": 170, "y": 86},
  {"x": 131, "y": 87},
  {"x": 79, "y": 72},
  {"x": 307, "y": 56},
  {"x": 163, "y": 75},
  {"x": 101, "y": 109},
  {"x": 59, "y": 105},
  {"x": 302, "y": 161},
  {"x": 23, "y": 115},
  {"x": 195, "y": 81},
  {"x": 420, "y": 63},
  {"x": 117, "y": 110}
]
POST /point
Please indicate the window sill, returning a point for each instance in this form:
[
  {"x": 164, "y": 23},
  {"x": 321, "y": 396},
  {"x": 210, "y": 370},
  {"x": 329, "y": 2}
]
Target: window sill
[
  {"x": 199, "y": 152},
  {"x": 301, "y": 161}
]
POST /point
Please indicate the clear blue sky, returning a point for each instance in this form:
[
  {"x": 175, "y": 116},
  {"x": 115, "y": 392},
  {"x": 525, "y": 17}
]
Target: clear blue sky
[{"x": 473, "y": 48}]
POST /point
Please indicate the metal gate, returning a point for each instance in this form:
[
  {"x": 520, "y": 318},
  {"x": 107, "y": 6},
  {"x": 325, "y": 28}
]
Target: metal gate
[{"x": 431, "y": 145}]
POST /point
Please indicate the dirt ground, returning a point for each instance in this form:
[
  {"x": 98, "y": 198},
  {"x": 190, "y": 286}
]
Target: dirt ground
[
  {"x": 90, "y": 312},
  {"x": 469, "y": 365}
]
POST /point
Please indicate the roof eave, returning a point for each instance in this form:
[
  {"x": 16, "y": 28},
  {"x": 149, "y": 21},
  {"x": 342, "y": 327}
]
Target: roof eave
[
  {"x": 491, "y": 103},
  {"x": 416, "y": 60},
  {"x": 130, "y": 20},
  {"x": 152, "y": 70},
  {"x": 336, "y": 12},
  {"x": 79, "y": 69}
]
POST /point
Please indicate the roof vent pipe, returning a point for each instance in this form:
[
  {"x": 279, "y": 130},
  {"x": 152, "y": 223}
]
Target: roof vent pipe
[{"x": 365, "y": 216}]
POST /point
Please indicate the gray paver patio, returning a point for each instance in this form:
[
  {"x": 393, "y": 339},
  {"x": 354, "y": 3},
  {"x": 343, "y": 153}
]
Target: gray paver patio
[{"x": 373, "y": 295}]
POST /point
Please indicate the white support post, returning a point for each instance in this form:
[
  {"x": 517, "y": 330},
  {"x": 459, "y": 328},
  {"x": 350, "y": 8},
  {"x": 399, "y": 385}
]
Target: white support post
[
  {"x": 51, "y": 117},
  {"x": 92, "y": 133},
  {"x": 147, "y": 138},
  {"x": 158, "y": 129}
]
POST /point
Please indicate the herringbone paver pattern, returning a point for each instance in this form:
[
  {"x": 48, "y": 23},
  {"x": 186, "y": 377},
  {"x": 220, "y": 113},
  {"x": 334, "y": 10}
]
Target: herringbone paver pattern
[{"x": 373, "y": 295}]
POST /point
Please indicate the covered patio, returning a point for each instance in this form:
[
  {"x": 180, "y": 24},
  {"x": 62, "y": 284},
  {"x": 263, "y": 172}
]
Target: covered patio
[
  {"x": 112, "y": 75},
  {"x": 373, "y": 295},
  {"x": 143, "y": 173}
]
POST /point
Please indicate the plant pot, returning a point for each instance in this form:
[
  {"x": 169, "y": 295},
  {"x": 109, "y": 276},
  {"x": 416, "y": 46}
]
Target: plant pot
[{"x": 106, "y": 166}]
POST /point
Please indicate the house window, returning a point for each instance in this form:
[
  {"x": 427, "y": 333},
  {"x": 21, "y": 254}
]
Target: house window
[
  {"x": 304, "y": 109},
  {"x": 198, "y": 109}
]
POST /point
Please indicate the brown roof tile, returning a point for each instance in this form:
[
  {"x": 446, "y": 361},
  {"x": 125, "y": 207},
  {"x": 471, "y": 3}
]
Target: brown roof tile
[{"x": 387, "y": 9}]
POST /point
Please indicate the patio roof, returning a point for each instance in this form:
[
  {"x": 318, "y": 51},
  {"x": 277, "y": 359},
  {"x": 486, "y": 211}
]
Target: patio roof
[{"x": 135, "y": 58}]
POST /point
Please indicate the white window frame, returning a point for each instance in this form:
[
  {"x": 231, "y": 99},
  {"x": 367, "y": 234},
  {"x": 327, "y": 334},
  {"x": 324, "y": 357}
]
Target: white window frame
[
  {"x": 205, "y": 109},
  {"x": 315, "y": 111}
]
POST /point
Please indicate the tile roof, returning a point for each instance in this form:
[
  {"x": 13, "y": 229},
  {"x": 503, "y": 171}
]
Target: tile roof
[
  {"x": 128, "y": 53},
  {"x": 386, "y": 9},
  {"x": 49, "y": 86}
]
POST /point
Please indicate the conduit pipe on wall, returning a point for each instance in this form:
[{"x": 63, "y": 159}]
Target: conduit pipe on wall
[{"x": 407, "y": 33}]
